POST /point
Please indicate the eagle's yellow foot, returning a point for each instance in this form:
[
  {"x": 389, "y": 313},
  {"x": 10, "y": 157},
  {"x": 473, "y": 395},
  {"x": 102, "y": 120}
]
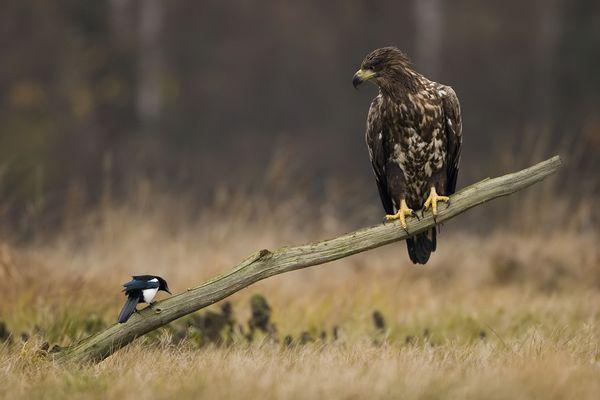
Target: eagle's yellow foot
[
  {"x": 402, "y": 213},
  {"x": 433, "y": 199}
]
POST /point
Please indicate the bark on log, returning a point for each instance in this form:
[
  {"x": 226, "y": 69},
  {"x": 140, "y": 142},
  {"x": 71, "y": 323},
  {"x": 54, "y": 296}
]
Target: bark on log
[{"x": 265, "y": 263}]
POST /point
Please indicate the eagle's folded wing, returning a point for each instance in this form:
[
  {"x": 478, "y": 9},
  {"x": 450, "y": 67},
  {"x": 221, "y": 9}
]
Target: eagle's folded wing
[
  {"x": 454, "y": 138},
  {"x": 377, "y": 153}
]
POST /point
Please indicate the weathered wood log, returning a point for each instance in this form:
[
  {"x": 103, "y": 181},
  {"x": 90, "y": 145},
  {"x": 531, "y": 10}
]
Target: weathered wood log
[{"x": 265, "y": 263}]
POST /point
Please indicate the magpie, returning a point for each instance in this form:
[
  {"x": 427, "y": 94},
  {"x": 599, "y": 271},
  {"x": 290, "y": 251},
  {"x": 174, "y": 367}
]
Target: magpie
[{"x": 141, "y": 289}]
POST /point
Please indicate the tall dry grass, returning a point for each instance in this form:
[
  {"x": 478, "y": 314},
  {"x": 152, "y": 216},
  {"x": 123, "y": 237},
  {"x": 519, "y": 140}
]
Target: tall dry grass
[{"x": 508, "y": 306}]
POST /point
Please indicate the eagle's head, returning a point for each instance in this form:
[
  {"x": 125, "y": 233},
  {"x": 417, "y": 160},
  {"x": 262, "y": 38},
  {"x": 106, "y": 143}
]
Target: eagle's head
[{"x": 387, "y": 67}]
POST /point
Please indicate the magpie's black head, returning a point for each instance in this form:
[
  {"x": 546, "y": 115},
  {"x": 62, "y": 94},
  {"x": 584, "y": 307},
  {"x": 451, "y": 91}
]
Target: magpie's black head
[{"x": 162, "y": 285}]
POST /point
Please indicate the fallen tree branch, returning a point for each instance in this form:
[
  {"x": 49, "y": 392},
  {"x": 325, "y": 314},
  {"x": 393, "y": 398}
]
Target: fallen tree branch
[{"x": 265, "y": 263}]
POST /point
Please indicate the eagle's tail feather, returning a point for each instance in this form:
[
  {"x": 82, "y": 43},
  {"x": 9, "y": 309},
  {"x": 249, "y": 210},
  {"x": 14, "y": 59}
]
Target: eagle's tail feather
[{"x": 421, "y": 246}]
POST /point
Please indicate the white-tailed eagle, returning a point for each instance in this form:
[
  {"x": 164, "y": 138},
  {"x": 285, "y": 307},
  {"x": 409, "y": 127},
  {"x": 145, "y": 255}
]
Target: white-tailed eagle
[{"x": 414, "y": 135}]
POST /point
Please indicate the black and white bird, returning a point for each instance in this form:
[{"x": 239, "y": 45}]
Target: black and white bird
[{"x": 141, "y": 289}]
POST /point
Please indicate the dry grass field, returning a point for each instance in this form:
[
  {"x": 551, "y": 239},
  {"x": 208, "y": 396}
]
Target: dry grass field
[
  {"x": 177, "y": 138},
  {"x": 510, "y": 312}
]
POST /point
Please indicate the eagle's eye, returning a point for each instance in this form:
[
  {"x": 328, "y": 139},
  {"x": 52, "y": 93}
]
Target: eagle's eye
[{"x": 375, "y": 66}]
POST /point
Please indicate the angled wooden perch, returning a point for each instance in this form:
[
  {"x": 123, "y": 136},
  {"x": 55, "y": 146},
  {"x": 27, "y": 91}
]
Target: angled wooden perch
[{"x": 265, "y": 263}]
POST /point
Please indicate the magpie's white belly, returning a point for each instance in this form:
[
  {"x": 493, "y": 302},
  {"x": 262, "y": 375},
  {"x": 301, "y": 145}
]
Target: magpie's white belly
[{"x": 149, "y": 294}]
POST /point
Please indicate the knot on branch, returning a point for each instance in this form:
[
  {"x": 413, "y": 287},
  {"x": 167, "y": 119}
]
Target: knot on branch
[{"x": 262, "y": 254}]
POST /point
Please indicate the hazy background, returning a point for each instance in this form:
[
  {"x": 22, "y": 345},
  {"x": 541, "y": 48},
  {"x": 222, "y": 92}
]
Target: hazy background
[
  {"x": 177, "y": 137},
  {"x": 100, "y": 97}
]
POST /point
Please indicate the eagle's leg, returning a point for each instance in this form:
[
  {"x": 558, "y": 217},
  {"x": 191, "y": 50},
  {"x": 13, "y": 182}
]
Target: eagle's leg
[
  {"x": 402, "y": 213},
  {"x": 433, "y": 199}
]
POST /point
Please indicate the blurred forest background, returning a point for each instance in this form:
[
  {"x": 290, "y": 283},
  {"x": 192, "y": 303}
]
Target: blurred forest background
[
  {"x": 98, "y": 97},
  {"x": 177, "y": 137}
]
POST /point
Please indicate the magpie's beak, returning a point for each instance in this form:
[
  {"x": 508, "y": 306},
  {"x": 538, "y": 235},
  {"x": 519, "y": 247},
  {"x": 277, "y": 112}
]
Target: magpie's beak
[
  {"x": 167, "y": 290},
  {"x": 362, "y": 75}
]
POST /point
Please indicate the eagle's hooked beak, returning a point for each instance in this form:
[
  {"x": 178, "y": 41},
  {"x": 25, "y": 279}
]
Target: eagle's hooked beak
[{"x": 362, "y": 75}]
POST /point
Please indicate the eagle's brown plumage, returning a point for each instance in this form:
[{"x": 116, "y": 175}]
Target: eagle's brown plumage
[{"x": 414, "y": 135}]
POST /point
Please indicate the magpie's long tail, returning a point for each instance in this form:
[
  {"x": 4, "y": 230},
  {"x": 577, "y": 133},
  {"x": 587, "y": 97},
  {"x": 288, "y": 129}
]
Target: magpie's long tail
[
  {"x": 421, "y": 246},
  {"x": 128, "y": 309}
]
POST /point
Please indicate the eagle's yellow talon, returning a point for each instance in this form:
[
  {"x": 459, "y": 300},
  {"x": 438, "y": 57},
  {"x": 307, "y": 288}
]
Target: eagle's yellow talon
[
  {"x": 433, "y": 199},
  {"x": 402, "y": 213}
]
